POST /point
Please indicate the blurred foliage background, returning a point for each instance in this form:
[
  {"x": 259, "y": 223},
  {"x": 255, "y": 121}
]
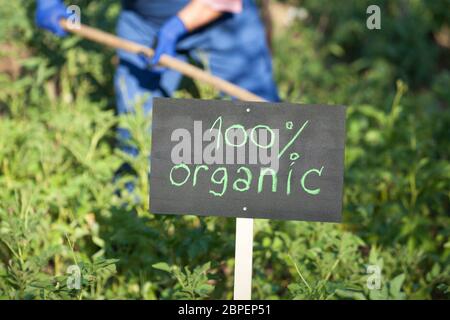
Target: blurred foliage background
[{"x": 59, "y": 204}]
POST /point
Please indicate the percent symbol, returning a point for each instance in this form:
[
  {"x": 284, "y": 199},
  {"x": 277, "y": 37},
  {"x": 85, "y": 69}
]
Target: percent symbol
[{"x": 289, "y": 125}]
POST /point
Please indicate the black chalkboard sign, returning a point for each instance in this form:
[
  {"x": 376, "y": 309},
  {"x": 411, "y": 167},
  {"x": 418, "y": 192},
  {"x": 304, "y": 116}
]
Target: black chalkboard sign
[{"x": 247, "y": 159}]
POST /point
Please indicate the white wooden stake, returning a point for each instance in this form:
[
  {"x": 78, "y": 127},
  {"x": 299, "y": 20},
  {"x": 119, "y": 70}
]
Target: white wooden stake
[{"x": 243, "y": 259}]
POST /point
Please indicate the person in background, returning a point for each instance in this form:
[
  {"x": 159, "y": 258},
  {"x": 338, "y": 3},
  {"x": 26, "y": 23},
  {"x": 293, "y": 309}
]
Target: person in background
[{"x": 226, "y": 37}]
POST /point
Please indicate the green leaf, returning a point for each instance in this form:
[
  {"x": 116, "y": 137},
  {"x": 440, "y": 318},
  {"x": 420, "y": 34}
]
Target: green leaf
[
  {"x": 395, "y": 286},
  {"x": 162, "y": 266},
  {"x": 204, "y": 289},
  {"x": 350, "y": 294}
]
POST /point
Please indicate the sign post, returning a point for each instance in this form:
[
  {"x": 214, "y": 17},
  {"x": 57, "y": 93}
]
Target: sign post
[
  {"x": 247, "y": 160},
  {"x": 243, "y": 259}
]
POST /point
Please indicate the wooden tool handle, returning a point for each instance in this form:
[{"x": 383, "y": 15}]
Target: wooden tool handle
[{"x": 187, "y": 69}]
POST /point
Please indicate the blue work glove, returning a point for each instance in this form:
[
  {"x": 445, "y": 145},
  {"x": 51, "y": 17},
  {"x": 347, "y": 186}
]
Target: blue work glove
[
  {"x": 168, "y": 36},
  {"x": 48, "y": 14}
]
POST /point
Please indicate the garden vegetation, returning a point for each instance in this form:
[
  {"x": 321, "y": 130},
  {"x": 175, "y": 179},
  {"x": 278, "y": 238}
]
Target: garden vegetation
[{"x": 60, "y": 204}]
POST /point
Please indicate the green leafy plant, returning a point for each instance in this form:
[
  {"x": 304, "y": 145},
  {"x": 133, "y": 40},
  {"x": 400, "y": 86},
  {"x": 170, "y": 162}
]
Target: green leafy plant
[
  {"x": 59, "y": 159},
  {"x": 191, "y": 284}
]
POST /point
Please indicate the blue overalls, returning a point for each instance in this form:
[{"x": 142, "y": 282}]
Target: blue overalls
[{"x": 233, "y": 48}]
